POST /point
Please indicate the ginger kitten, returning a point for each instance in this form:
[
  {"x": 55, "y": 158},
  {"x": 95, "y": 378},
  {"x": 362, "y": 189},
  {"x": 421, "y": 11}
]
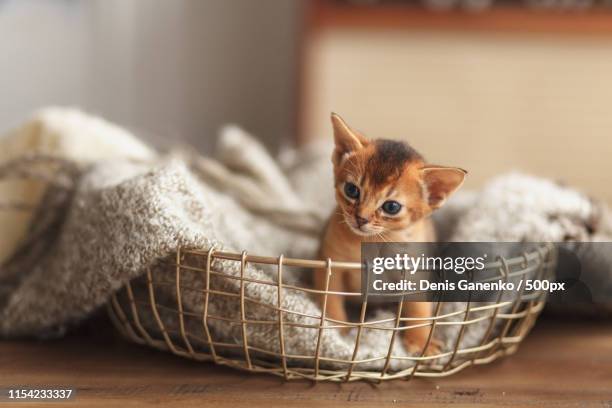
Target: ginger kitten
[{"x": 384, "y": 192}]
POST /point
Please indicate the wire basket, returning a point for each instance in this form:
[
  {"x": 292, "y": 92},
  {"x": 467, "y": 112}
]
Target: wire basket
[{"x": 505, "y": 323}]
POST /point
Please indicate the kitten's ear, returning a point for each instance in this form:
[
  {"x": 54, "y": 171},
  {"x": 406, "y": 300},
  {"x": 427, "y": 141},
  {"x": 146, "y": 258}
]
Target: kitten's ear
[
  {"x": 441, "y": 182},
  {"x": 345, "y": 138}
]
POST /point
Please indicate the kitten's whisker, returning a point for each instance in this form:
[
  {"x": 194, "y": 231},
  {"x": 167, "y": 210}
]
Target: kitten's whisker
[{"x": 382, "y": 235}]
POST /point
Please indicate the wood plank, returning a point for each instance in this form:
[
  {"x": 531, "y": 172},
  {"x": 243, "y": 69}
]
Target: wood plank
[
  {"x": 560, "y": 364},
  {"x": 325, "y": 14}
]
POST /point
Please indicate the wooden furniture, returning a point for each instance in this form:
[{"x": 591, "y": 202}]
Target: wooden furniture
[
  {"x": 409, "y": 15},
  {"x": 559, "y": 364},
  {"x": 499, "y": 90}
]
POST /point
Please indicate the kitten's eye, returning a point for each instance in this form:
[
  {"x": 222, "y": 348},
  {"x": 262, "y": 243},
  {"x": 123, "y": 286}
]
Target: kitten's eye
[
  {"x": 351, "y": 190},
  {"x": 391, "y": 207}
]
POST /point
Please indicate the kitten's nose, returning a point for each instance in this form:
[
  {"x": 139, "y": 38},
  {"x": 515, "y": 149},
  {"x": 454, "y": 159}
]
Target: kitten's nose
[{"x": 361, "y": 221}]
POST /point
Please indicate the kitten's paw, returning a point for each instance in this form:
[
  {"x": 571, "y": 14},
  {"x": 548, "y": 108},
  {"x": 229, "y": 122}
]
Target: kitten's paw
[{"x": 416, "y": 344}]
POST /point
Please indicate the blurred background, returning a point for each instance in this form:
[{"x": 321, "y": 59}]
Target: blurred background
[
  {"x": 488, "y": 85},
  {"x": 172, "y": 71}
]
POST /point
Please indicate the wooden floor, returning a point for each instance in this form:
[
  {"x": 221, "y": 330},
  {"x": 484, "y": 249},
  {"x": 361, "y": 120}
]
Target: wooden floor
[{"x": 560, "y": 364}]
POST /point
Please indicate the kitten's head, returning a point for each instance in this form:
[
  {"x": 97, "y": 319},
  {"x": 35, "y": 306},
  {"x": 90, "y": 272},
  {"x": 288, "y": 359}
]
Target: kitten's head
[{"x": 384, "y": 185}]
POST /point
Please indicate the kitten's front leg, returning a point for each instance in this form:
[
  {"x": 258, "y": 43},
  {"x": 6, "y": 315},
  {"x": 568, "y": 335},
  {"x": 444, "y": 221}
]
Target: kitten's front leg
[
  {"x": 415, "y": 339},
  {"x": 334, "y": 306}
]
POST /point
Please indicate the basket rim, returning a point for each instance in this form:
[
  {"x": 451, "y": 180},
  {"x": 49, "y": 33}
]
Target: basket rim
[{"x": 526, "y": 256}]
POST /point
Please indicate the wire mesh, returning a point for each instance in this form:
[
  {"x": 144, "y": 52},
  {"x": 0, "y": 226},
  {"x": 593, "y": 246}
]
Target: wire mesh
[{"x": 507, "y": 321}]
